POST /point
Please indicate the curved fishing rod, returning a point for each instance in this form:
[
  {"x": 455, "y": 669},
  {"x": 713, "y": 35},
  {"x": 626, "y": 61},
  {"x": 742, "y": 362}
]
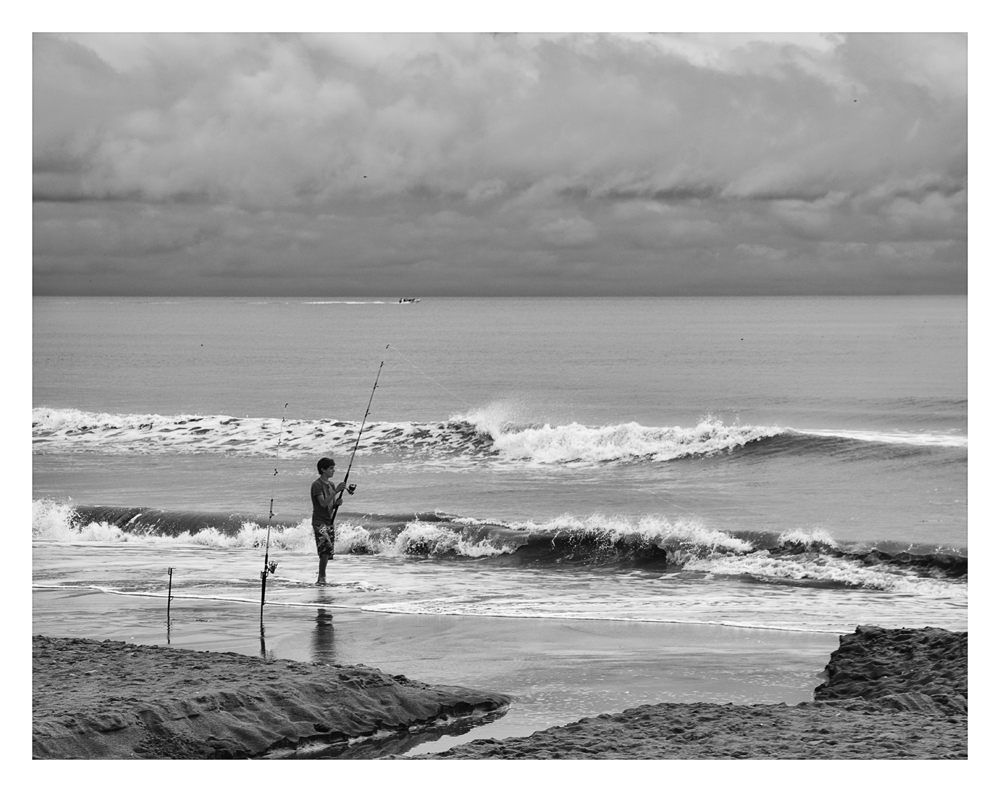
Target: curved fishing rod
[
  {"x": 350, "y": 489},
  {"x": 270, "y": 566}
]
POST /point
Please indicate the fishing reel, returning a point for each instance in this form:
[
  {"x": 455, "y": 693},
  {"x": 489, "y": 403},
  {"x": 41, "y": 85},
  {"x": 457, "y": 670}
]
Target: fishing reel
[
  {"x": 351, "y": 488},
  {"x": 271, "y": 566}
]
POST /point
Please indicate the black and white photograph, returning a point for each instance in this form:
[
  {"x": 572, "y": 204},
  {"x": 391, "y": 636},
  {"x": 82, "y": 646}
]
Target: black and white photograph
[{"x": 549, "y": 393}]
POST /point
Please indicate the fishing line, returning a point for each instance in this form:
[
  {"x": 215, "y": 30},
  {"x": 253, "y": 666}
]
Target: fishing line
[
  {"x": 270, "y": 566},
  {"x": 456, "y": 396},
  {"x": 430, "y": 379},
  {"x": 661, "y": 499}
]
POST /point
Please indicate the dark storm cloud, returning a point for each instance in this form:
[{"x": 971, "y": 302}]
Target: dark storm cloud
[{"x": 246, "y": 163}]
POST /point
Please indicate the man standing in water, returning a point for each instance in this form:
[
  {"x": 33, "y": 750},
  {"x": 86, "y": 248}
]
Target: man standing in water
[{"x": 326, "y": 498}]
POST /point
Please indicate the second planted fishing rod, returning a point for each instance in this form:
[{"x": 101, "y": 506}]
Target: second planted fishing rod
[
  {"x": 351, "y": 488},
  {"x": 270, "y": 566}
]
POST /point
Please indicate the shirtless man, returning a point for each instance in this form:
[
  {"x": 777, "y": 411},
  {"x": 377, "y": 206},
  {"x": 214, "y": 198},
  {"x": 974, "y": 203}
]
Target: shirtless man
[{"x": 326, "y": 498}]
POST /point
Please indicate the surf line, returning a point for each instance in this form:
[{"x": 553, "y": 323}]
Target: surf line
[{"x": 270, "y": 566}]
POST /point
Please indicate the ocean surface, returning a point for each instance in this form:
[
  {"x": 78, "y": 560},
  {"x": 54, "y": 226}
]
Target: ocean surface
[{"x": 796, "y": 464}]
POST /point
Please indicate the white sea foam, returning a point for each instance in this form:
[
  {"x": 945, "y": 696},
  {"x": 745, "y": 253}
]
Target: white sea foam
[
  {"x": 575, "y": 443},
  {"x": 70, "y": 429},
  {"x": 663, "y": 532},
  {"x": 417, "y": 537},
  {"x": 814, "y": 536},
  {"x": 434, "y": 540},
  {"x": 938, "y": 439},
  {"x": 56, "y": 521},
  {"x": 251, "y": 534}
]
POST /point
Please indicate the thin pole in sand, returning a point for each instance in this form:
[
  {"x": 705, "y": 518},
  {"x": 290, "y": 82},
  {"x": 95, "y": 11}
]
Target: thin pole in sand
[
  {"x": 170, "y": 589},
  {"x": 350, "y": 490},
  {"x": 270, "y": 566}
]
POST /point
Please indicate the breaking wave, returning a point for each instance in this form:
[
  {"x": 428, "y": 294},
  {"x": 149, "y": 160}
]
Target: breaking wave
[
  {"x": 651, "y": 543},
  {"x": 486, "y": 436}
]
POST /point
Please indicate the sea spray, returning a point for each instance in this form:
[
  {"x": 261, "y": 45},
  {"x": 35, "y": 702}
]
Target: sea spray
[{"x": 55, "y": 522}]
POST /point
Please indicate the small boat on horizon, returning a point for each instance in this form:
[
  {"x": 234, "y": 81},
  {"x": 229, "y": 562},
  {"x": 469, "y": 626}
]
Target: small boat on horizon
[{"x": 409, "y": 299}]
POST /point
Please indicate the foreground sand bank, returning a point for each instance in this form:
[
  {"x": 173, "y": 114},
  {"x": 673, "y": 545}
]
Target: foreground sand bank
[
  {"x": 890, "y": 694},
  {"x": 113, "y": 700},
  {"x": 857, "y": 730},
  {"x": 556, "y": 670}
]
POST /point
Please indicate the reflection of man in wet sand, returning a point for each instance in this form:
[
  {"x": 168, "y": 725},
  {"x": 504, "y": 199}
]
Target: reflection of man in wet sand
[
  {"x": 323, "y": 637},
  {"x": 326, "y": 498}
]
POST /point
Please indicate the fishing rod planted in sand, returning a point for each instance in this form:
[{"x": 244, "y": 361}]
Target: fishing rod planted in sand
[
  {"x": 270, "y": 566},
  {"x": 350, "y": 488}
]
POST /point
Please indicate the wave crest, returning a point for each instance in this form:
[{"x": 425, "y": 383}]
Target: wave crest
[
  {"x": 575, "y": 443},
  {"x": 494, "y": 435},
  {"x": 491, "y": 434}
]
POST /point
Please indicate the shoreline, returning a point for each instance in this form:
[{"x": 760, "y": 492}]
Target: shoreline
[{"x": 889, "y": 694}]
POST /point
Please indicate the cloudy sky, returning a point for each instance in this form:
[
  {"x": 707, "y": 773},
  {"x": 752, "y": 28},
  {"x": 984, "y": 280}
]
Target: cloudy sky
[{"x": 463, "y": 164}]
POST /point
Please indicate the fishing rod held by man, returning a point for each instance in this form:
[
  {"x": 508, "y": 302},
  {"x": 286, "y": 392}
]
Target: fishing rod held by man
[{"x": 327, "y": 497}]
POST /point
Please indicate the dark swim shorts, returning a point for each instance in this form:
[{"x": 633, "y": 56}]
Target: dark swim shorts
[{"x": 323, "y": 532}]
